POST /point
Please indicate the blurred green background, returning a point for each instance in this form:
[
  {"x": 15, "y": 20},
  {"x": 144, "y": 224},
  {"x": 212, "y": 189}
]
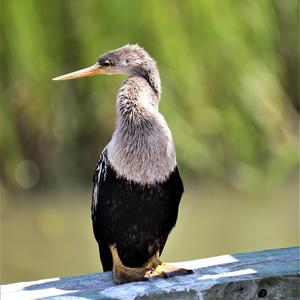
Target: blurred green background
[{"x": 230, "y": 85}]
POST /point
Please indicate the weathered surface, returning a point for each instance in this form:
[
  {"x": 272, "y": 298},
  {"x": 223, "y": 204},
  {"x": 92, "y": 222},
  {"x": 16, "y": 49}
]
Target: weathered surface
[{"x": 270, "y": 274}]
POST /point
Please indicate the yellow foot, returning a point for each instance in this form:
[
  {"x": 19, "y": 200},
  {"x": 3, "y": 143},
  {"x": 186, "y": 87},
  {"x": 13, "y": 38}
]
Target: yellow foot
[
  {"x": 124, "y": 274},
  {"x": 153, "y": 268},
  {"x": 170, "y": 271}
]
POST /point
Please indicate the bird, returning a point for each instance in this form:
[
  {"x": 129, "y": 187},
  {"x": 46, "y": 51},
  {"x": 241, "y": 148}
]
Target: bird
[{"x": 137, "y": 185}]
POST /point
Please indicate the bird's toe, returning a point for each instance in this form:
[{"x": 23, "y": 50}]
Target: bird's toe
[{"x": 171, "y": 271}]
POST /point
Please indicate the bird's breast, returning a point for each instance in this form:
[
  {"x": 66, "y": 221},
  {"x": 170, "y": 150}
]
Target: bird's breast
[{"x": 143, "y": 156}]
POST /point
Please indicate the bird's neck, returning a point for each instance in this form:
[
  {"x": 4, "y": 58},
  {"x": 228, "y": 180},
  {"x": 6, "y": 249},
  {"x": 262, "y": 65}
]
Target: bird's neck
[
  {"x": 150, "y": 73},
  {"x": 142, "y": 147},
  {"x": 136, "y": 101}
]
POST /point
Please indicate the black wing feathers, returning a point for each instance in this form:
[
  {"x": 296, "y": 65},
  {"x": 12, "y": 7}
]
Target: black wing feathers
[{"x": 98, "y": 179}]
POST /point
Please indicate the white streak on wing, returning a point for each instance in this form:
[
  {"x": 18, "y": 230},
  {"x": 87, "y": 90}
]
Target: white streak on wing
[{"x": 101, "y": 175}]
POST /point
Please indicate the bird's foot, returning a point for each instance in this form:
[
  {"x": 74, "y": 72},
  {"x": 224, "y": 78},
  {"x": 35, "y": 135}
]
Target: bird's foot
[
  {"x": 153, "y": 261},
  {"x": 170, "y": 271},
  {"x": 163, "y": 269},
  {"x": 124, "y": 274},
  {"x": 153, "y": 268}
]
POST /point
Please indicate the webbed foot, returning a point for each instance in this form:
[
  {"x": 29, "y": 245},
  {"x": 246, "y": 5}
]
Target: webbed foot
[
  {"x": 165, "y": 270},
  {"x": 124, "y": 274},
  {"x": 171, "y": 271},
  {"x": 153, "y": 268}
]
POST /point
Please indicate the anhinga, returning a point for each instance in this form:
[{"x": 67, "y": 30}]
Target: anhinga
[{"x": 137, "y": 186}]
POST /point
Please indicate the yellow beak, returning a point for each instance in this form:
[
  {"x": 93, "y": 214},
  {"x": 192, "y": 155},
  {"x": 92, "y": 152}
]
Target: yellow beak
[{"x": 91, "y": 71}]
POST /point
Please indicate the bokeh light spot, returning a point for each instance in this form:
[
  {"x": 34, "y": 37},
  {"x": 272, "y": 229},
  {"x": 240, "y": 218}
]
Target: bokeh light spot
[{"x": 27, "y": 174}]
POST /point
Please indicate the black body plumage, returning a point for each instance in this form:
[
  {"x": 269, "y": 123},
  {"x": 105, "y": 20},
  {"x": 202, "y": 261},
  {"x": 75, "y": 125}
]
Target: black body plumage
[{"x": 137, "y": 218}]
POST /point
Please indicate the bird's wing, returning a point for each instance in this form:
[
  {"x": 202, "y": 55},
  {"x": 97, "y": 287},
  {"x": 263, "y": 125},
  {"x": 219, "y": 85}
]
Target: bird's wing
[{"x": 99, "y": 178}]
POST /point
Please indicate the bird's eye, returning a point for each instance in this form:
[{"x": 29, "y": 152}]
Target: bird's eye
[{"x": 107, "y": 63}]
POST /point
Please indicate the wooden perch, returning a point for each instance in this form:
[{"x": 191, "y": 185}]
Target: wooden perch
[{"x": 270, "y": 274}]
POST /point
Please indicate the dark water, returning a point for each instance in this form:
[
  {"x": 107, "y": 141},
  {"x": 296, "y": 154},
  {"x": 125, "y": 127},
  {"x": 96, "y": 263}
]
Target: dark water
[{"x": 49, "y": 234}]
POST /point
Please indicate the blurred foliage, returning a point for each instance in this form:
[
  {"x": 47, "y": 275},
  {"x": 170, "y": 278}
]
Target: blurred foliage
[{"x": 229, "y": 75}]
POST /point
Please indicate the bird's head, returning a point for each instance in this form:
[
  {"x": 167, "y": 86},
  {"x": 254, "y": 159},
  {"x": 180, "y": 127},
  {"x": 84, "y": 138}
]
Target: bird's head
[{"x": 129, "y": 59}]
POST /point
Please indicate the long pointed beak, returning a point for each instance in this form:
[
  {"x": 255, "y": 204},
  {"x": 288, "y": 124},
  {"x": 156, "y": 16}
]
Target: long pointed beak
[{"x": 91, "y": 71}]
